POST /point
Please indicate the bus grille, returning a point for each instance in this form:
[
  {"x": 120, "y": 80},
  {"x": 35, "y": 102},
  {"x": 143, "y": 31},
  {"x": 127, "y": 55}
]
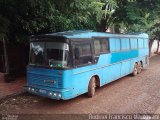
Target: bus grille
[
  {"x": 39, "y": 80},
  {"x": 60, "y": 83}
]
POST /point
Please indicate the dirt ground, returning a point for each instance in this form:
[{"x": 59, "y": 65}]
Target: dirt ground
[{"x": 139, "y": 94}]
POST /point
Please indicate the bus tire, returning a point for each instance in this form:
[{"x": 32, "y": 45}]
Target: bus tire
[
  {"x": 135, "y": 70},
  {"x": 92, "y": 87},
  {"x": 139, "y": 67}
]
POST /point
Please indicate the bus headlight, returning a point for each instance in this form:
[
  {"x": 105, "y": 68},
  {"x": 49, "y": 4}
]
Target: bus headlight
[
  {"x": 55, "y": 94},
  {"x": 29, "y": 89},
  {"x": 50, "y": 94},
  {"x": 59, "y": 95},
  {"x": 32, "y": 89}
]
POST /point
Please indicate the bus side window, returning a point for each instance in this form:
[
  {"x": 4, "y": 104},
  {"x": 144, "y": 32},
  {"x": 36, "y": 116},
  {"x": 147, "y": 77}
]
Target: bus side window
[
  {"x": 133, "y": 42},
  {"x": 145, "y": 42},
  {"x": 101, "y": 46},
  {"x": 125, "y": 45},
  {"x": 97, "y": 47},
  {"x": 82, "y": 54},
  {"x": 115, "y": 44},
  {"x": 140, "y": 43}
]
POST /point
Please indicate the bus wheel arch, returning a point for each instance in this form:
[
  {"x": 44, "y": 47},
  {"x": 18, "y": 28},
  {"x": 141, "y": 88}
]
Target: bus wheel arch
[
  {"x": 93, "y": 83},
  {"x": 97, "y": 80}
]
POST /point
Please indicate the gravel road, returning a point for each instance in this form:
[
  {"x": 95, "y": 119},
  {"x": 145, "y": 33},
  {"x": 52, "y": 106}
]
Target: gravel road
[{"x": 139, "y": 94}]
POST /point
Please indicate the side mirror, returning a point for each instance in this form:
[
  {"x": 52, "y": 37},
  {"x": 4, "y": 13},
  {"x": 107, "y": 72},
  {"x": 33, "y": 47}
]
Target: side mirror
[{"x": 77, "y": 53}]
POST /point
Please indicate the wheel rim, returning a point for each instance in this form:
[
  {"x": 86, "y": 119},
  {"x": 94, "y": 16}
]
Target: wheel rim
[
  {"x": 139, "y": 68},
  {"x": 135, "y": 70}
]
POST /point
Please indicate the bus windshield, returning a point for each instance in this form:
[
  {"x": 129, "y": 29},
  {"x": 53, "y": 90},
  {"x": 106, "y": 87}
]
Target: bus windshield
[{"x": 52, "y": 54}]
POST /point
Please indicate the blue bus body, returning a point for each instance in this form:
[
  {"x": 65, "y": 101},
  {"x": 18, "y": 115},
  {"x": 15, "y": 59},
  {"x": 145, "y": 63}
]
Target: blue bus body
[{"x": 122, "y": 53}]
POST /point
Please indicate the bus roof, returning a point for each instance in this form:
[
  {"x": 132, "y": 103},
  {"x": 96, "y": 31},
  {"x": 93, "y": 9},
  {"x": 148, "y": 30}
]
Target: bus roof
[{"x": 90, "y": 34}]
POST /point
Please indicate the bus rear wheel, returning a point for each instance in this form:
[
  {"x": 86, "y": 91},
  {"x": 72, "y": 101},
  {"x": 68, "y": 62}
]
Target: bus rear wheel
[
  {"x": 135, "y": 70},
  {"x": 139, "y": 67},
  {"x": 92, "y": 87}
]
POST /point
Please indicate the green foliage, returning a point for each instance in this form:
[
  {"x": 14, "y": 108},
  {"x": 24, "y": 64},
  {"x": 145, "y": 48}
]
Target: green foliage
[
  {"x": 77, "y": 14},
  {"x": 4, "y": 27},
  {"x": 23, "y": 18},
  {"x": 20, "y": 19},
  {"x": 139, "y": 16}
]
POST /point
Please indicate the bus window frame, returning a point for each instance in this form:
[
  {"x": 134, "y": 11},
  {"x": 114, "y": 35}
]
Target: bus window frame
[
  {"x": 114, "y": 51},
  {"x": 102, "y": 38},
  {"x": 96, "y": 56},
  {"x": 128, "y": 49},
  {"x": 135, "y": 39},
  {"x": 81, "y": 41},
  {"x": 142, "y": 39}
]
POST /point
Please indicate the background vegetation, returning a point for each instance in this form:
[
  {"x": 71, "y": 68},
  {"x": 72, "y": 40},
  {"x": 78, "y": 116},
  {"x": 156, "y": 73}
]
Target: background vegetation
[{"x": 19, "y": 19}]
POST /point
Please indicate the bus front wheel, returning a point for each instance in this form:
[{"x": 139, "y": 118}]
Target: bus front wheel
[
  {"x": 92, "y": 87},
  {"x": 135, "y": 70}
]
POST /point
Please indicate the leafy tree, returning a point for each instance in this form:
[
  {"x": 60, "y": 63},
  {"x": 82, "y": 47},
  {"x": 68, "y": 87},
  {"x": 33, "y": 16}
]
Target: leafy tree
[
  {"x": 20, "y": 19},
  {"x": 107, "y": 19},
  {"x": 139, "y": 16},
  {"x": 4, "y": 27},
  {"x": 23, "y": 18}
]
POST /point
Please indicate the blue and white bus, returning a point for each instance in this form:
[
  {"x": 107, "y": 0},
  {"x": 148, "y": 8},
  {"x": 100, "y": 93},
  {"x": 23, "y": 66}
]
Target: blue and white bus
[{"x": 64, "y": 65}]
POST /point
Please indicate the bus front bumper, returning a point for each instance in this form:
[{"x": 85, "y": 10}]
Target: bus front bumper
[{"x": 57, "y": 94}]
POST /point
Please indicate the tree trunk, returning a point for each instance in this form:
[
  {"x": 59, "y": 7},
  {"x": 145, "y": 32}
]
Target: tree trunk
[
  {"x": 5, "y": 57},
  {"x": 157, "y": 46},
  {"x": 102, "y": 26},
  {"x": 116, "y": 28}
]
